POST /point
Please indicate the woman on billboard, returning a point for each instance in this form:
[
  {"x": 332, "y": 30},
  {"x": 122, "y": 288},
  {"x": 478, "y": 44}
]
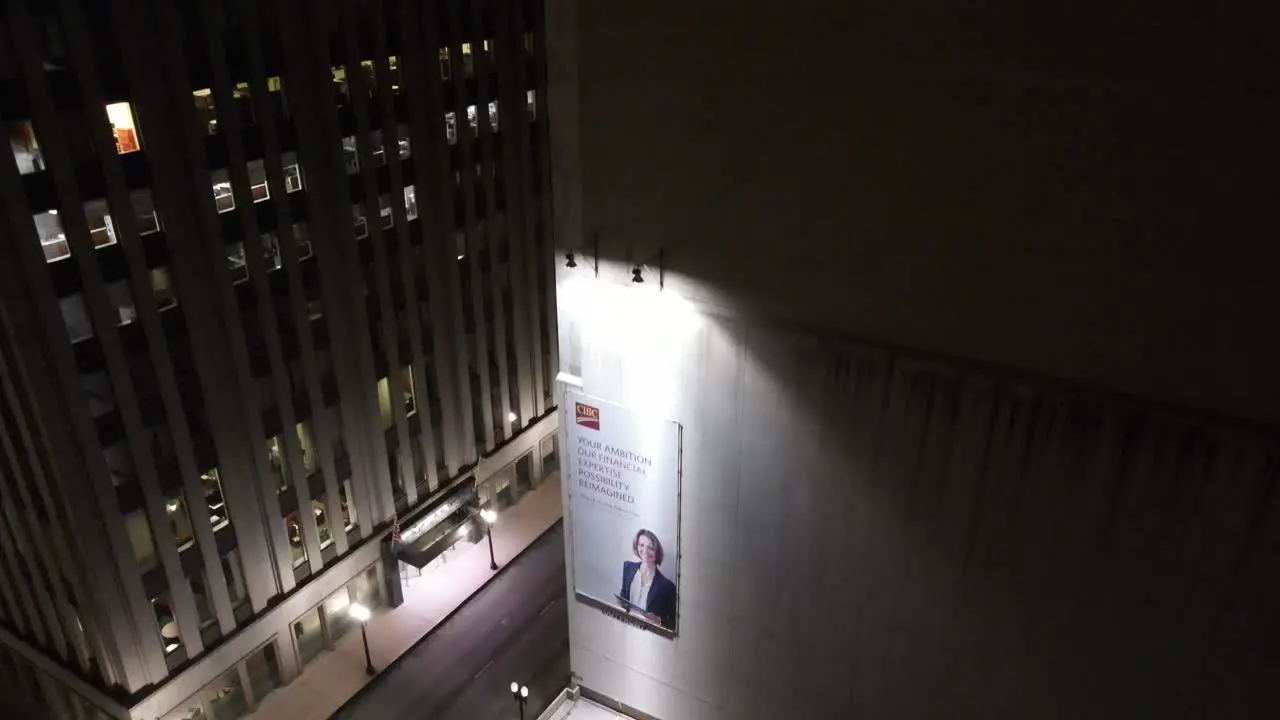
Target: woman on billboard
[{"x": 645, "y": 590}]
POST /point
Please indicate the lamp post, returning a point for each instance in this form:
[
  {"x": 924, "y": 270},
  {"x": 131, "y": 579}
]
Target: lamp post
[
  {"x": 490, "y": 517},
  {"x": 361, "y": 614},
  {"x": 521, "y": 695}
]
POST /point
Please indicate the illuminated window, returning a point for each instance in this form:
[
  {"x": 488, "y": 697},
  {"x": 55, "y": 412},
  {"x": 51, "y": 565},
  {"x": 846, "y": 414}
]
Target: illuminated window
[
  {"x": 451, "y": 127},
  {"x": 145, "y": 210},
  {"x": 204, "y": 604},
  {"x": 493, "y": 115},
  {"x": 236, "y": 262},
  {"x": 384, "y": 210},
  {"x": 337, "y": 614},
  {"x": 75, "y": 315},
  {"x": 263, "y": 671},
  {"x": 393, "y": 64},
  {"x": 105, "y": 231},
  {"x": 122, "y": 300},
  {"x": 386, "y": 402},
  {"x": 402, "y": 139},
  {"x": 300, "y": 241},
  {"x": 322, "y": 522},
  {"x": 468, "y": 62},
  {"x": 179, "y": 522},
  {"x": 276, "y": 95},
  {"x": 270, "y": 250},
  {"x": 166, "y": 622},
  {"x": 139, "y": 531},
  {"x": 212, "y": 483},
  {"x": 411, "y": 202},
  {"x": 292, "y": 177},
  {"x": 52, "y": 239},
  {"x": 308, "y": 633},
  {"x": 531, "y": 103},
  {"x": 223, "y": 199},
  {"x": 358, "y": 221},
  {"x": 258, "y": 181},
  {"x": 241, "y": 96},
  {"x": 162, "y": 288},
  {"x": 406, "y": 382},
  {"x": 340, "y": 84},
  {"x": 124, "y": 127},
  {"x": 226, "y": 696},
  {"x": 277, "y": 462},
  {"x": 310, "y": 458},
  {"x": 444, "y": 64},
  {"x": 101, "y": 230},
  {"x": 233, "y": 571},
  {"x": 350, "y": 154},
  {"x": 26, "y": 149},
  {"x": 293, "y": 531},
  {"x": 379, "y": 150},
  {"x": 205, "y": 110},
  {"x": 348, "y": 510}
]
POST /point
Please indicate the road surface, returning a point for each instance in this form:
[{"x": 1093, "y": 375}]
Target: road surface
[{"x": 516, "y": 628}]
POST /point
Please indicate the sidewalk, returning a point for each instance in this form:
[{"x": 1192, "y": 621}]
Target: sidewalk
[{"x": 336, "y": 676}]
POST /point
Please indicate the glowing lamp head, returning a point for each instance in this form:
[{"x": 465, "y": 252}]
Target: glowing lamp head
[
  {"x": 359, "y": 612},
  {"x": 489, "y": 516}
]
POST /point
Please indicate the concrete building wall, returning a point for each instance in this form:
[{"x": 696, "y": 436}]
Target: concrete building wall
[
  {"x": 1075, "y": 192},
  {"x": 866, "y": 533},
  {"x": 944, "y": 289},
  {"x": 213, "y": 404}
]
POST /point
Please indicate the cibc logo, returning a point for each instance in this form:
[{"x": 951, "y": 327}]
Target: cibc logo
[{"x": 588, "y": 416}]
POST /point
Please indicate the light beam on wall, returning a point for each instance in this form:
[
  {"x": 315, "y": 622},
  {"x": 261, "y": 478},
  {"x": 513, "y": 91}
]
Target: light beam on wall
[{"x": 644, "y": 325}]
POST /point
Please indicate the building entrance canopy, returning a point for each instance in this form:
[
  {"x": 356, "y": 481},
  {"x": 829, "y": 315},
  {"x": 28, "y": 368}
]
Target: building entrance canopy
[{"x": 429, "y": 536}]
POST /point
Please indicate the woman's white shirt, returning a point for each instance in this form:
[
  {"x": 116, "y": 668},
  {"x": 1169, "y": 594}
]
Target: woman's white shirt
[{"x": 639, "y": 590}]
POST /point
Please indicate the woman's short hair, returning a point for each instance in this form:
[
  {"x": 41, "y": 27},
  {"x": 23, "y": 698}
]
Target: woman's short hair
[{"x": 657, "y": 545}]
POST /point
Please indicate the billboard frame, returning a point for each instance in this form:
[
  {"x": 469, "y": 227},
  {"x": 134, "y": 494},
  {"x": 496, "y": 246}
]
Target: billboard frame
[{"x": 571, "y": 462}]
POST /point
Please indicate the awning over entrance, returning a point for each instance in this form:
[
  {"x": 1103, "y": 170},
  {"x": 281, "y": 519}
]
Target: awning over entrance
[
  {"x": 425, "y": 538},
  {"x": 432, "y": 544}
]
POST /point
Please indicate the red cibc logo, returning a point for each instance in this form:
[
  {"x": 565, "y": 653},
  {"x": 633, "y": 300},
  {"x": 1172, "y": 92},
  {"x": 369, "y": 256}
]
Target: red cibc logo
[{"x": 587, "y": 416}]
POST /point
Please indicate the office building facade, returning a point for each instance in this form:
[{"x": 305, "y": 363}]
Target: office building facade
[
  {"x": 962, "y": 312},
  {"x": 273, "y": 275}
]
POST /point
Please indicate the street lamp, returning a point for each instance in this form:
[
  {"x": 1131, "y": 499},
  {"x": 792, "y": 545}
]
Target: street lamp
[
  {"x": 361, "y": 614},
  {"x": 521, "y": 695},
  {"x": 490, "y": 517}
]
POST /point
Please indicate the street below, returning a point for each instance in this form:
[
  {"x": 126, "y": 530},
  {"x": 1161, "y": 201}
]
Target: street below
[{"x": 515, "y": 629}]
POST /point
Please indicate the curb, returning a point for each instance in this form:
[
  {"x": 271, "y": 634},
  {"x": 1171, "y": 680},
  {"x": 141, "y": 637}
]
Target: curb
[{"x": 386, "y": 670}]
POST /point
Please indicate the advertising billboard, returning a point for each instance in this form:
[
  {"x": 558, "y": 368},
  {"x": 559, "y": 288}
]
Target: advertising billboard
[{"x": 624, "y": 511}]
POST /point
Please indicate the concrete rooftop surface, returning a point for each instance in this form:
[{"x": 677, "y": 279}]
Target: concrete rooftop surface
[{"x": 571, "y": 706}]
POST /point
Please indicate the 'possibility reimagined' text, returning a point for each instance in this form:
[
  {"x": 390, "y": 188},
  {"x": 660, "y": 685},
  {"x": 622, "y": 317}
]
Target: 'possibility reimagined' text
[{"x": 603, "y": 469}]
